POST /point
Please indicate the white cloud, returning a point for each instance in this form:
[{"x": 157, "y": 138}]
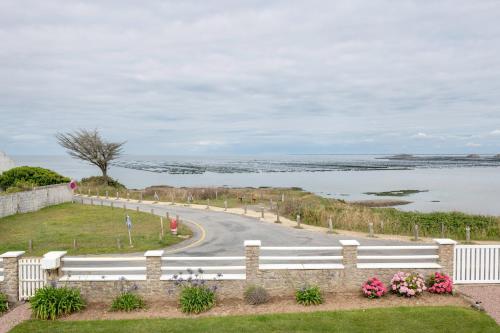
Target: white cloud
[
  {"x": 473, "y": 144},
  {"x": 495, "y": 132}
]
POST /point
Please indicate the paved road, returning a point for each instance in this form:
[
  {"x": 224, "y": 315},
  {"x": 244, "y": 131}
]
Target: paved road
[{"x": 223, "y": 233}]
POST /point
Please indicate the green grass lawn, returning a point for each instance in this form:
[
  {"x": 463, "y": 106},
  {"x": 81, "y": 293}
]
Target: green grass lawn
[
  {"x": 95, "y": 228},
  {"x": 398, "y": 320}
]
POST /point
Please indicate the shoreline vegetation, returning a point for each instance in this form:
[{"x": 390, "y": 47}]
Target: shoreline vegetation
[
  {"x": 396, "y": 193},
  {"x": 316, "y": 210}
]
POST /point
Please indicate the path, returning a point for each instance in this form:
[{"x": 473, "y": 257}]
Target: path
[
  {"x": 219, "y": 233},
  {"x": 488, "y": 295},
  {"x": 16, "y": 316}
]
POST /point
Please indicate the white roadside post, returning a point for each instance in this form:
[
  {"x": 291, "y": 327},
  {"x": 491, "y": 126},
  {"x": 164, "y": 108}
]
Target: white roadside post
[{"x": 128, "y": 221}]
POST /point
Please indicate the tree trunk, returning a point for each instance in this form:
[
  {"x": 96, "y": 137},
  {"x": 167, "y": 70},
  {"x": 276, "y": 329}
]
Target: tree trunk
[{"x": 105, "y": 175}]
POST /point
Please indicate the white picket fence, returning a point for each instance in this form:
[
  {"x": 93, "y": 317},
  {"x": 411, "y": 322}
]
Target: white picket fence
[
  {"x": 477, "y": 264},
  {"x": 31, "y": 277}
]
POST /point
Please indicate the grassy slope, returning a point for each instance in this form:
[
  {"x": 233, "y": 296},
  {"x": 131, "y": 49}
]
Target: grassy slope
[
  {"x": 400, "y": 320},
  {"x": 96, "y": 229}
]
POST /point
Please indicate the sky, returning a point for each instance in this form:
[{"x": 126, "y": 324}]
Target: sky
[{"x": 252, "y": 77}]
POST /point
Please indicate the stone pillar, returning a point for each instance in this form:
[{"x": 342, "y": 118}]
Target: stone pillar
[
  {"x": 252, "y": 254},
  {"x": 10, "y": 284},
  {"x": 446, "y": 253},
  {"x": 153, "y": 265},
  {"x": 349, "y": 253}
]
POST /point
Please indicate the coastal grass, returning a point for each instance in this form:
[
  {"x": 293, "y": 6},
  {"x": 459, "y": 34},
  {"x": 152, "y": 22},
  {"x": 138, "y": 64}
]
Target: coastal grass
[
  {"x": 95, "y": 229},
  {"x": 400, "y": 320}
]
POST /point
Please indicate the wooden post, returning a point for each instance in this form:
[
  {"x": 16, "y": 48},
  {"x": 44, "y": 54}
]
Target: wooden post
[
  {"x": 107, "y": 195},
  {"x": 370, "y": 230},
  {"x": 298, "y": 222},
  {"x": 261, "y": 212},
  {"x": 75, "y": 244},
  {"x": 246, "y": 209},
  {"x": 442, "y": 230},
  {"x": 467, "y": 234},
  {"x": 277, "y": 213},
  {"x": 161, "y": 224},
  {"x": 128, "y": 196},
  {"x": 30, "y": 245},
  {"x": 118, "y": 243},
  {"x": 330, "y": 225},
  {"x": 208, "y": 203},
  {"x": 415, "y": 231},
  {"x": 225, "y": 205},
  {"x": 112, "y": 205},
  {"x": 117, "y": 195}
]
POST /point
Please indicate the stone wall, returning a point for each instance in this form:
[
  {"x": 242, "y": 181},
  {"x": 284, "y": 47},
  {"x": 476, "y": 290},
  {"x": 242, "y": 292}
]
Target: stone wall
[
  {"x": 30, "y": 201},
  {"x": 346, "y": 277}
]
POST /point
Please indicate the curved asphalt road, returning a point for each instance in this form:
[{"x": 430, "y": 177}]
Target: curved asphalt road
[{"x": 223, "y": 234}]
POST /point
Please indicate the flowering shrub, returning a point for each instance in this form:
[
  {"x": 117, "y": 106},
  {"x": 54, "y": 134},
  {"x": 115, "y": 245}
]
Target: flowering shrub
[
  {"x": 373, "y": 288},
  {"x": 407, "y": 284},
  {"x": 440, "y": 284},
  {"x": 195, "y": 297}
]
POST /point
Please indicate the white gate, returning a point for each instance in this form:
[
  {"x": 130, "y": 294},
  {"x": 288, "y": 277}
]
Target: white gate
[
  {"x": 477, "y": 264},
  {"x": 31, "y": 277}
]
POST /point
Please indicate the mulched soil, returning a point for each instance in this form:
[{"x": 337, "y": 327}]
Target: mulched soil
[{"x": 276, "y": 305}]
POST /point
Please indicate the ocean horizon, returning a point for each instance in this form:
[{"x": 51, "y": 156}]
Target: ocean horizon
[{"x": 446, "y": 182}]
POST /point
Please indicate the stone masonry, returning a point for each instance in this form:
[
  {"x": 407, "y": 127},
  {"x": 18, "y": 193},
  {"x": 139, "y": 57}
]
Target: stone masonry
[
  {"x": 10, "y": 284},
  {"x": 346, "y": 278},
  {"x": 30, "y": 201}
]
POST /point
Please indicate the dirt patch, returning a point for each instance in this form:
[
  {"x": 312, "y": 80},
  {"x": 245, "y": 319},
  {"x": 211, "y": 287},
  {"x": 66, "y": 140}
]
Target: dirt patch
[{"x": 276, "y": 305}]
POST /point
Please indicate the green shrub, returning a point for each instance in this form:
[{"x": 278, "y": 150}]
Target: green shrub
[
  {"x": 4, "y": 304},
  {"x": 309, "y": 296},
  {"x": 30, "y": 176},
  {"x": 197, "y": 298},
  {"x": 127, "y": 302},
  {"x": 51, "y": 302},
  {"x": 98, "y": 181},
  {"x": 256, "y": 295}
]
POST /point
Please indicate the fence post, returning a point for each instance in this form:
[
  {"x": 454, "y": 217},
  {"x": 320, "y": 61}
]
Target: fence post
[
  {"x": 446, "y": 253},
  {"x": 252, "y": 254},
  {"x": 52, "y": 264},
  {"x": 153, "y": 265},
  {"x": 349, "y": 254},
  {"x": 11, "y": 274}
]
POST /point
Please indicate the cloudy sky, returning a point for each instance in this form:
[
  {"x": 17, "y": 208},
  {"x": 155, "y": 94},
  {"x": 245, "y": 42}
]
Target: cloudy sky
[{"x": 226, "y": 77}]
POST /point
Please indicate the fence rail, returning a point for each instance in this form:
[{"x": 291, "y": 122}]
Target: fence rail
[
  {"x": 477, "y": 264},
  {"x": 217, "y": 272},
  {"x": 103, "y": 268}
]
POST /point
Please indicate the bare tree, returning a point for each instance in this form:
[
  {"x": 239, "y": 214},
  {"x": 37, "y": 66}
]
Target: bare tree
[{"x": 88, "y": 145}]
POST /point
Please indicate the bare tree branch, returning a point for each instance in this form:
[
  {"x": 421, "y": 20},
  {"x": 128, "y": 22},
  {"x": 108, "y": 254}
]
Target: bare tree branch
[{"x": 88, "y": 145}]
